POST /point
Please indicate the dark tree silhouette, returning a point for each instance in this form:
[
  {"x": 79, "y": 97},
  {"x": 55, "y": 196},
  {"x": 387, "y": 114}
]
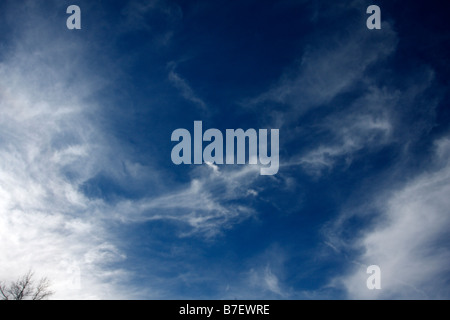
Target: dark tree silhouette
[{"x": 25, "y": 288}]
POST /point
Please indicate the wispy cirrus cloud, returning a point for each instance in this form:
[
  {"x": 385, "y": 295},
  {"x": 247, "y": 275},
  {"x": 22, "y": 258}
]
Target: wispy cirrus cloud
[
  {"x": 325, "y": 71},
  {"x": 315, "y": 83},
  {"x": 48, "y": 146},
  {"x": 375, "y": 120},
  {"x": 52, "y": 146},
  {"x": 185, "y": 89},
  {"x": 67, "y": 186},
  {"x": 402, "y": 225},
  {"x": 210, "y": 203},
  {"x": 408, "y": 239}
]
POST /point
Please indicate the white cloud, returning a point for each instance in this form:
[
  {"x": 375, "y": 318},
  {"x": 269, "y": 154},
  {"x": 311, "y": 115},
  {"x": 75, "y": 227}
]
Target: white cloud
[
  {"x": 341, "y": 62},
  {"x": 214, "y": 167},
  {"x": 49, "y": 144},
  {"x": 207, "y": 204},
  {"x": 409, "y": 241},
  {"x": 378, "y": 117},
  {"x": 48, "y": 224},
  {"x": 271, "y": 281},
  {"x": 328, "y": 69},
  {"x": 263, "y": 279},
  {"x": 185, "y": 89},
  {"x": 366, "y": 124}
]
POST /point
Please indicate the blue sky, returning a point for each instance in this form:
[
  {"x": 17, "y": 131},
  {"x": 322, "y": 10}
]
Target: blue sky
[{"x": 89, "y": 195}]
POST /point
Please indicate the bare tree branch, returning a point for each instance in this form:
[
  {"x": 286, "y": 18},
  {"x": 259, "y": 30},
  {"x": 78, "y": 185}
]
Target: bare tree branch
[
  {"x": 2, "y": 291},
  {"x": 42, "y": 290},
  {"x": 24, "y": 289}
]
